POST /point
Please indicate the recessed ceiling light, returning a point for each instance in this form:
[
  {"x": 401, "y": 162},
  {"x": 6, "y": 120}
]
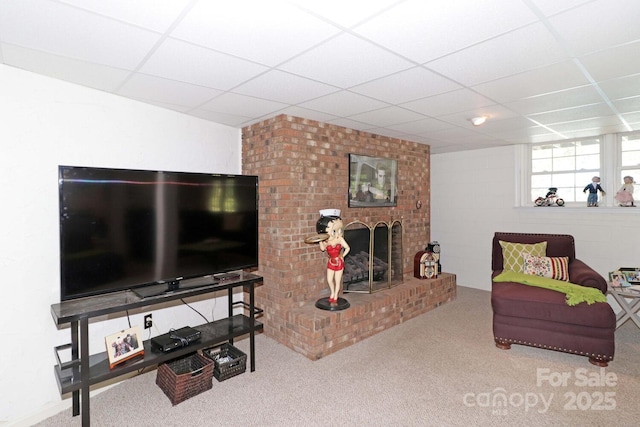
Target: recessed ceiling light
[{"x": 477, "y": 121}]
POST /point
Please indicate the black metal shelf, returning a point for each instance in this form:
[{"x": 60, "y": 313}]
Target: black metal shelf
[
  {"x": 84, "y": 370},
  {"x": 213, "y": 334}
]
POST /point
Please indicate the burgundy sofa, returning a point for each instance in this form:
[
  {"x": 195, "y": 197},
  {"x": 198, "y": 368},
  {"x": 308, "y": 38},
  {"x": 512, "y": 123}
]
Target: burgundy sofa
[{"x": 539, "y": 317}]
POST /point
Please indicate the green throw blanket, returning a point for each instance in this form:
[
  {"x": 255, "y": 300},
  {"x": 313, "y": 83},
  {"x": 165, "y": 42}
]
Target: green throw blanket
[{"x": 575, "y": 293}]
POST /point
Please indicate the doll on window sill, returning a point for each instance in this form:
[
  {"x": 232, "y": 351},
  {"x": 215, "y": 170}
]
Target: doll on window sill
[
  {"x": 624, "y": 196},
  {"x": 593, "y": 188}
]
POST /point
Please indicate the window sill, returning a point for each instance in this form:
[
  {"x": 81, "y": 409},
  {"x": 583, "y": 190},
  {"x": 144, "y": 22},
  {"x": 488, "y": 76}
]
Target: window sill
[{"x": 583, "y": 209}]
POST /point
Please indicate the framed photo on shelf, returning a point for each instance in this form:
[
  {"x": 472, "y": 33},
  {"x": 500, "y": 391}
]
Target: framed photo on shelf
[
  {"x": 124, "y": 345},
  {"x": 373, "y": 181}
]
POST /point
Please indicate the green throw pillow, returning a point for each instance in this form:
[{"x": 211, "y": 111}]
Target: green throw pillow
[{"x": 513, "y": 254}]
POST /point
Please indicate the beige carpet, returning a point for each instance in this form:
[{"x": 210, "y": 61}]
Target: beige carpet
[{"x": 440, "y": 369}]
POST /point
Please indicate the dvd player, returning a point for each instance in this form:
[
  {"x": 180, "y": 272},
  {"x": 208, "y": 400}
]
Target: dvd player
[{"x": 175, "y": 339}]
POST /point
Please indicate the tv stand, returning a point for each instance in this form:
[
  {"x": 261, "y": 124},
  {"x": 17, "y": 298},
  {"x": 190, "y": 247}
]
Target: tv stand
[{"x": 83, "y": 370}]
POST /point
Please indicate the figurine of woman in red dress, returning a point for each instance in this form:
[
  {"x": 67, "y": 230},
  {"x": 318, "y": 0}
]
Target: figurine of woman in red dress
[{"x": 337, "y": 248}]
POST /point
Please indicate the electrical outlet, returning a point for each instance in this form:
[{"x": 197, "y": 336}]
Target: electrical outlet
[{"x": 148, "y": 321}]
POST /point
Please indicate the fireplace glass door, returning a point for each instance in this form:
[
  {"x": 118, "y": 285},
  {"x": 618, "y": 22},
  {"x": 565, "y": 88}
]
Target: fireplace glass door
[{"x": 375, "y": 260}]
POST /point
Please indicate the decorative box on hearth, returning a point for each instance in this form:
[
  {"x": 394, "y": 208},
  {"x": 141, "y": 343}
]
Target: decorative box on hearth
[{"x": 425, "y": 265}]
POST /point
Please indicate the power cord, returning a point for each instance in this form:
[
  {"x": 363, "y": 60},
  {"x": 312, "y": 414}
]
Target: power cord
[{"x": 201, "y": 315}]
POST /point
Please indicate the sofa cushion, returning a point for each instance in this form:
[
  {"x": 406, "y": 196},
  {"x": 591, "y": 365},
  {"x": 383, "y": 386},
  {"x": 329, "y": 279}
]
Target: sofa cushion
[
  {"x": 523, "y": 301},
  {"x": 552, "y": 267},
  {"x": 512, "y": 253}
]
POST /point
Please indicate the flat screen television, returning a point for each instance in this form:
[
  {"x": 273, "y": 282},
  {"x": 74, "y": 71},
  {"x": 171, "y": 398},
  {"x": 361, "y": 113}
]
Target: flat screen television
[{"x": 152, "y": 231}]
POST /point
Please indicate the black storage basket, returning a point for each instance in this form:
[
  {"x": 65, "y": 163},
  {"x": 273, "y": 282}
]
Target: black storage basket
[
  {"x": 184, "y": 378},
  {"x": 228, "y": 361}
]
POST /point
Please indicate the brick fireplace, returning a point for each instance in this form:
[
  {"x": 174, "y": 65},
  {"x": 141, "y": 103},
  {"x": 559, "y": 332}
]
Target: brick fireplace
[{"x": 303, "y": 167}]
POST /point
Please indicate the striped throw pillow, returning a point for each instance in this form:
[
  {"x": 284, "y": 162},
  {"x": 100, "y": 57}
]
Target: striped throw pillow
[{"x": 552, "y": 267}]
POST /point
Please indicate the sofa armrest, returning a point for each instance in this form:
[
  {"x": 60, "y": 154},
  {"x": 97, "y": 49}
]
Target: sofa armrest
[{"x": 581, "y": 274}]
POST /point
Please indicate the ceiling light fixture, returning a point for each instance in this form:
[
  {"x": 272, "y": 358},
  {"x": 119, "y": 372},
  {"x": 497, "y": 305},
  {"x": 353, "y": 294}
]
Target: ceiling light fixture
[{"x": 477, "y": 121}]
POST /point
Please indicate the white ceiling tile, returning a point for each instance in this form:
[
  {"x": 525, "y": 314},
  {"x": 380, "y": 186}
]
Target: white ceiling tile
[
  {"x": 598, "y": 25},
  {"x": 241, "y": 105},
  {"x": 622, "y": 87},
  {"x": 572, "y": 114},
  {"x": 406, "y": 85},
  {"x": 573, "y": 97},
  {"x": 305, "y": 113},
  {"x": 223, "y": 118},
  {"x": 345, "y": 61},
  {"x": 240, "y": 62},
  {"x": 426, "y": 30},
  {"x": 343, "y": 104},
  {"x": 79, "y": 72},
  {"x": 628, "y": 105},
  {"x": 66, "y": 31},
  {"x": 386, "y": 116},
  {"x": 494, "y": 113},
  {"x": 268, "y": 32},
  {"x": 344, "y": 13},
  {"x": 182, "y": 61},
  {"x": 587, "y": 124},
  {"x": 385, "y": 131},
  {"x": 536, "y": 82},
  {"x": 599, "y": 64},
  {"x": 284, "y": 87},
  {"x": 447, "y": 103},
  {"x": 351, "y": 124},
  {"x": 136, "y": 12},
  {"x": 521, "y": 50},
  {"x": 421, "y": 126},
  {"x": 551, "y": 7},
  {"x": 159, "y": 90}
]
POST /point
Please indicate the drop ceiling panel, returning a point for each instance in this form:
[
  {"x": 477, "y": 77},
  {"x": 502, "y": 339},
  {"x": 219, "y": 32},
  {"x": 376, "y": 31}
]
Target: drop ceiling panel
[
  {"x": 185, "y": 62},
  {"x": 535, "y": 82},
  {"x": 386, "y": 116},
  {"x": 84, "y": 73},
  {"x": 346, "y": 61},
  {"x": 136, "y": 12},
  {"x": 416, "y": 69},
  {"x": 240, "y": 105},
  {"x": 426, "y": 30},
  {"x": 599, "y": 64},
  {"x": 598, "y": 25},
  {"x": 406, "y": 85},
  {"x": 513, "y": 51},
  {"x": 268, "y": 32},
  {"x": 447, "y": 103},
  {"x": 284, "y": 87},
  {"x": 344, "y": 104},
  {"x": 83, "y": 36},
  {"x": 621, "y": 88},
  {"x": 164, "y": 91},
  {"x": 628, "y": 105},
  {"x": 553, "y": 101}
]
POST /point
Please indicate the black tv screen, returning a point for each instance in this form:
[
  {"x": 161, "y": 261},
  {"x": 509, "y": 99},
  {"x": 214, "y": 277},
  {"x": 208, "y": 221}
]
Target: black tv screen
[{"x": 130, "y": 229}]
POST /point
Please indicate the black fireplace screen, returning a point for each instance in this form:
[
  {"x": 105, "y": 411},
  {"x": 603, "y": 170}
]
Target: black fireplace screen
[{"x": 375, "y": 260}]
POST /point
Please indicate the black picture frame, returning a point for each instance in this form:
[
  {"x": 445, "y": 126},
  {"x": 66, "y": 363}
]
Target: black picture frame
[{"x": 373, "y": 181}]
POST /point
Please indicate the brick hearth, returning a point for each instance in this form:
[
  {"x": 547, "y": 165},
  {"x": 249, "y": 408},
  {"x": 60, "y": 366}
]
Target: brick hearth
[{"x": 302, "y": 167}]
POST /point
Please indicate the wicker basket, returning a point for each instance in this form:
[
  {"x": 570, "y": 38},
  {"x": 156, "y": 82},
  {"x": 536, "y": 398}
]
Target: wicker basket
[
  {"x": 228, "y": 361},
  {"x": 184, "y": 378}
]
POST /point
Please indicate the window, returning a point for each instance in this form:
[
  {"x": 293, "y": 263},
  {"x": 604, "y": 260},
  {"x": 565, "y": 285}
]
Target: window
[
  {"x": 567, "y": 165},
  {"x": 570, "y": 166},
  {"x": 630, "y": 156}
]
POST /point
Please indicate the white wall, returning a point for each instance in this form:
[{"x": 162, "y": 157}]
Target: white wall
[
  {"x": 473, "y": 196},
  {"x": 45, "y": 123}
]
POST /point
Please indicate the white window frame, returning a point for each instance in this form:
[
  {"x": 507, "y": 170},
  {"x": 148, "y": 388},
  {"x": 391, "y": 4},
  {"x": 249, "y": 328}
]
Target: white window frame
[{"x": 611, "y": 171}]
